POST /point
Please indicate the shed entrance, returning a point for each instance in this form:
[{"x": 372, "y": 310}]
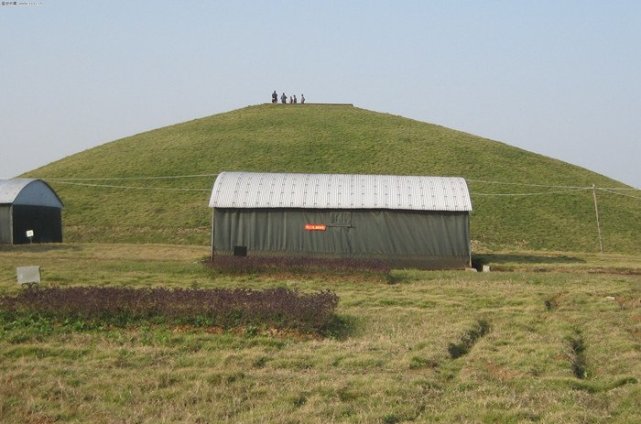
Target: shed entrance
[
  {"x": 45, "y": 223},
  {"x": 342, "y": 231}
]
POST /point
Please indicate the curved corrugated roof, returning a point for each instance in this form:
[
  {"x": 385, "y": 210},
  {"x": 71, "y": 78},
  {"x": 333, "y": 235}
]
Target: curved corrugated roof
[
  {"x": 28, "y": 191},
  {"x": 339, "y": 191}
]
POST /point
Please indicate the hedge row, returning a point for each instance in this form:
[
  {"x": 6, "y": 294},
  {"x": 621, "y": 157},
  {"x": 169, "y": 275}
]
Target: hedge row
[{"x": 227, "y": 308}]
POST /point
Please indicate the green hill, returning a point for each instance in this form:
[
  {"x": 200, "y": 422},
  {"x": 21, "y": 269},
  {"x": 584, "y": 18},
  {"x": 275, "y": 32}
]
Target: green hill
[{"x": 520, "y": 199}]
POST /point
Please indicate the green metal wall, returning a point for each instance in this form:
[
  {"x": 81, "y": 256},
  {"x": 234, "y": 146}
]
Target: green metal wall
[{"x": 404, "y": 238}]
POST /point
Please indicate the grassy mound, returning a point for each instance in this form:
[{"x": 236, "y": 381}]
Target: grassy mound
[{"x": 521, "y": 199}]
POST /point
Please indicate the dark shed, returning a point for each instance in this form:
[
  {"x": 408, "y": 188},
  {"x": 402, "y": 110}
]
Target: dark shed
[
  {"x": 415, "y": 221},
  {"x": 28, "y": 204}
]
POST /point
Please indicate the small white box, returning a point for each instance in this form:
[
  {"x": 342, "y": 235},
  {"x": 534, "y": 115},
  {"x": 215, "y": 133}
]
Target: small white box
[{"x": 28, "y": 274}]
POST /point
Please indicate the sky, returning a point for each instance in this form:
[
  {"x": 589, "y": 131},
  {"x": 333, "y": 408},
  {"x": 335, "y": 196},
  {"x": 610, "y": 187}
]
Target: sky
[{"x": 560, "y": 78}]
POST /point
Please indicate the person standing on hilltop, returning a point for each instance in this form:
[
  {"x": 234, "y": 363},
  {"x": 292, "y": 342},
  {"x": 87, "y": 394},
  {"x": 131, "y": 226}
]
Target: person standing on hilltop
[
  {"x": 295, "y": 100},
  {"x": 302, "y": 99},
  {"x": 274, "y": 97},
  {"x": 283, "y": 98}
]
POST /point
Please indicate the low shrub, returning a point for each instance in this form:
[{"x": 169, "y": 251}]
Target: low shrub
[{"x": 274, "y": 308}]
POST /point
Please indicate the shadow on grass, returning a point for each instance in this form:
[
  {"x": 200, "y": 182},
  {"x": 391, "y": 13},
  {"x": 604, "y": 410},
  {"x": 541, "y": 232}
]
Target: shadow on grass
[
  {"x": 598, "y": 386},
  {"x": 341, "y": 327},
  {"x": 498, "y": 259},
  {"x": 469, "y": 339},
  {"x": 39, "y": 247},
  {"x": 284, "y": 267}
]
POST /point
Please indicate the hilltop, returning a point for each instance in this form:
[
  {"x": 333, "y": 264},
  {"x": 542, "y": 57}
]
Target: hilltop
[{"x": 521, "y": 199}]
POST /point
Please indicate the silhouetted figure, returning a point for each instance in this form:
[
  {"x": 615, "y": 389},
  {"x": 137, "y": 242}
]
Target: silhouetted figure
[
  {"x": 283, "y": 98},
  {"x": 291, "y": 100},
  {"x": 302, "y": 99},
  {"x": 274, "y": 97},
  {"x": 295, "y": 100}
]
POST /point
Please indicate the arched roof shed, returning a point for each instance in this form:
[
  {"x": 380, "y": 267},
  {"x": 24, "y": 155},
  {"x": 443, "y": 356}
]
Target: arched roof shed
[
  {"x": 29, "y": 206},
  {"x": 420, "y": 221}
]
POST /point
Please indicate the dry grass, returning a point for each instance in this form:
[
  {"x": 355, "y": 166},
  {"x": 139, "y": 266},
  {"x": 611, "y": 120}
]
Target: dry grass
[{"x": 391, "y": 364}]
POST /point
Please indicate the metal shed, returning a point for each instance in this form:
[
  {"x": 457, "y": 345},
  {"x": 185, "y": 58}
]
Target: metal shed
[
  {"x": 28, "y": 204},
  {"x": 416, "y": 221}
]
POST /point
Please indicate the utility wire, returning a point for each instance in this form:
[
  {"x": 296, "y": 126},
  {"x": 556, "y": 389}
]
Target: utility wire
[
  {"x": 617, "y": 193},
  {"x": 619, "y": 188},
  {"x": 133, "y": 187},
  {"x": 527, "y": 184},
  {"x": 548, "y": 186},
  {"x": 569, "y": 191},
  {"x": 471, "y": 180},
  {"x": 165, "y": 177}
]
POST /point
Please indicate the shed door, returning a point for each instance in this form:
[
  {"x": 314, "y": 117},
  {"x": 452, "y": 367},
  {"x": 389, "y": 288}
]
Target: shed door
[
  {"x": 45, "y": 222},
  {"x": 342, "y": 231}
]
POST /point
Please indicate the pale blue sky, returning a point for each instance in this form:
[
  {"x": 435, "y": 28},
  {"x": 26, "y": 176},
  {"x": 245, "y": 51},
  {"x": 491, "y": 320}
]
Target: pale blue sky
[{"x": 560, "y": 78}]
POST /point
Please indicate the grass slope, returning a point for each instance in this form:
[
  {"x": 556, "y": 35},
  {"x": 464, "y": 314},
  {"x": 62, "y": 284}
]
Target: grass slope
[{"x": 332, "y": 139}]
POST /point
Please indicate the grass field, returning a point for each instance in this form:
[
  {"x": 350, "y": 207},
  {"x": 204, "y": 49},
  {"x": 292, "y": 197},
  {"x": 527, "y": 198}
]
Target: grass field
[
  {"x": 550, "y": 336},
  {"x": 556, "y": 338}
]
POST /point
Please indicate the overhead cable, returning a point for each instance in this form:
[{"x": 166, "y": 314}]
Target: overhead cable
[
  {"x": 471, "y": 180},
  {"x": 526, "y": 184},
  {"x": 568, "y": 191},
  {"x": 619, "y": 188},
  {"x": 164, "y": 177},
  {"x": 617, "y": 193},
  {"x": 133, "y": 187},
  {"x": 547, "y": 186},
  {"x": 169, "y": 177}
]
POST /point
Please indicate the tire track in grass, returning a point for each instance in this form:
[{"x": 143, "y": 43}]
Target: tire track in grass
[
  {"x": 576, "y": 352},
  {"x": 468, "y": 339}
]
